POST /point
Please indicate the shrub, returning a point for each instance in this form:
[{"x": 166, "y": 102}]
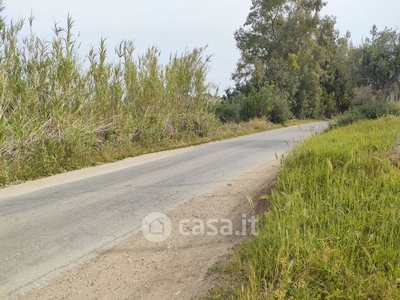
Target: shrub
[
  {"x": 363, "y": 95},
  {"x": 376, "y": 109},
  {"x": 347, "y": 118},
  {"x": 280, "y": 111},
  {"x": 228, "y": 111},
  {"x": 370, "y": 110},
  {"x": 258, "y": 104}
]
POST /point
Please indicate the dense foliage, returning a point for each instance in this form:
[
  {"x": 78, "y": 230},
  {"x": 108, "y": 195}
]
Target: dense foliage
[
  {"x": 315, "y": 71},
  {"x": 379, "y": 65},
  {"x": 60, "y": 110}
]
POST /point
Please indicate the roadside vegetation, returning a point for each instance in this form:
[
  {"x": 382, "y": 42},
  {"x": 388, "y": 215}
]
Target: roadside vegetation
[
  {"x": 371, "y": 108},
  {"x": 333, "y": 226},
  {"x": 61, "y": 110},
  {"x": 332, "y": 231},
  {"x": 295, "y": 63}
]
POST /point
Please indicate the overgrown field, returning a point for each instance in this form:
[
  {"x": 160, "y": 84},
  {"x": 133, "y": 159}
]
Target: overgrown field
[{"x": 333, "y": 231}]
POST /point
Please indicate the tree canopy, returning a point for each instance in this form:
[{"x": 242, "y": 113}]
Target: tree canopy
[
  {"x": 290, "y": 46},
  {"x": 380, "y": 59},
  {"x": 288, "y": 43}
]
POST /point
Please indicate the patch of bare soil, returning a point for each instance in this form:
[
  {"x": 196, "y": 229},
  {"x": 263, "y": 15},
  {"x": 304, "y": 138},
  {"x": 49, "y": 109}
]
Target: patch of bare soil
[{"x": 175, "y": 268}]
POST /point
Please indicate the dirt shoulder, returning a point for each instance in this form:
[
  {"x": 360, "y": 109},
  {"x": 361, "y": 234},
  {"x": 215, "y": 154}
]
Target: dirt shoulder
[{"x": 175, "y": 268}]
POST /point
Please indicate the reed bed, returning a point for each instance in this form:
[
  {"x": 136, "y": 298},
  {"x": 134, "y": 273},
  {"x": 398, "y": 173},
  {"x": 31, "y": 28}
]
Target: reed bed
[{"x": 61, "y": 110}]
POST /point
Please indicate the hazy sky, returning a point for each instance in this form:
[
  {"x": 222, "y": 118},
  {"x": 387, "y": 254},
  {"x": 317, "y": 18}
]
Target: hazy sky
[{"x": 175, "y": 25}]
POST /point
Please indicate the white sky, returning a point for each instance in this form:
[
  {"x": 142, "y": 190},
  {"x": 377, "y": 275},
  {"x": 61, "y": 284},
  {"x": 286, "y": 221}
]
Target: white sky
[{"x": 175, "y": 25}]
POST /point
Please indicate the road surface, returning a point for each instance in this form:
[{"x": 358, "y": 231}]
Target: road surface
[{"x": 50, "y": 226}]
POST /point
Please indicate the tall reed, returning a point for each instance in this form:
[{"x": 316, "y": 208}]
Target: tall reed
[{"x": 61, "y": 110}]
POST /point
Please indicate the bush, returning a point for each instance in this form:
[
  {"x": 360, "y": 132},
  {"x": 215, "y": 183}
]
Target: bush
[
  {"x": 377, "y": 109},
  {"x": 258, "y": 103},
  {"x": 228, "y": 111},
  {"x": 370, "y": 110},
  {"x": 347, "y": 118},
  {"x": 280, "y": 111},
  {"x": 364, "y": 95}
]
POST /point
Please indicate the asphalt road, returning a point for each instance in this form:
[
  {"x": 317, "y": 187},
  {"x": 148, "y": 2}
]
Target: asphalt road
[{"x": 47, "y": 231}]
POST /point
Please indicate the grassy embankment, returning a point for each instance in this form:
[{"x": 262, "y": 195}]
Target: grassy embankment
[
  {"x": 61, "y": 111},
  {"x": 334, "y": 225}
]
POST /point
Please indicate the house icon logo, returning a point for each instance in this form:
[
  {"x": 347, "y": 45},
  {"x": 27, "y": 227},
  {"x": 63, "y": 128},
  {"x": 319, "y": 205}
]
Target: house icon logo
[{"x": 156, "y": 227}]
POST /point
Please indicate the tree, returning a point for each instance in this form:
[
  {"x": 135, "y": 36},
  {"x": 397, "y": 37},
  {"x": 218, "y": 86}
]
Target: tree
[
  {"x": 286, "y": 42},
  {"x": 338, "y": 89},
  {"x": 380, "y": 60},
  {"x": 258, "y": 104}
]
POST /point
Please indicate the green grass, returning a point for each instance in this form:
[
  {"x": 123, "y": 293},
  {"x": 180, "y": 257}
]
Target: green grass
[{"x": 334, "y": 229}]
